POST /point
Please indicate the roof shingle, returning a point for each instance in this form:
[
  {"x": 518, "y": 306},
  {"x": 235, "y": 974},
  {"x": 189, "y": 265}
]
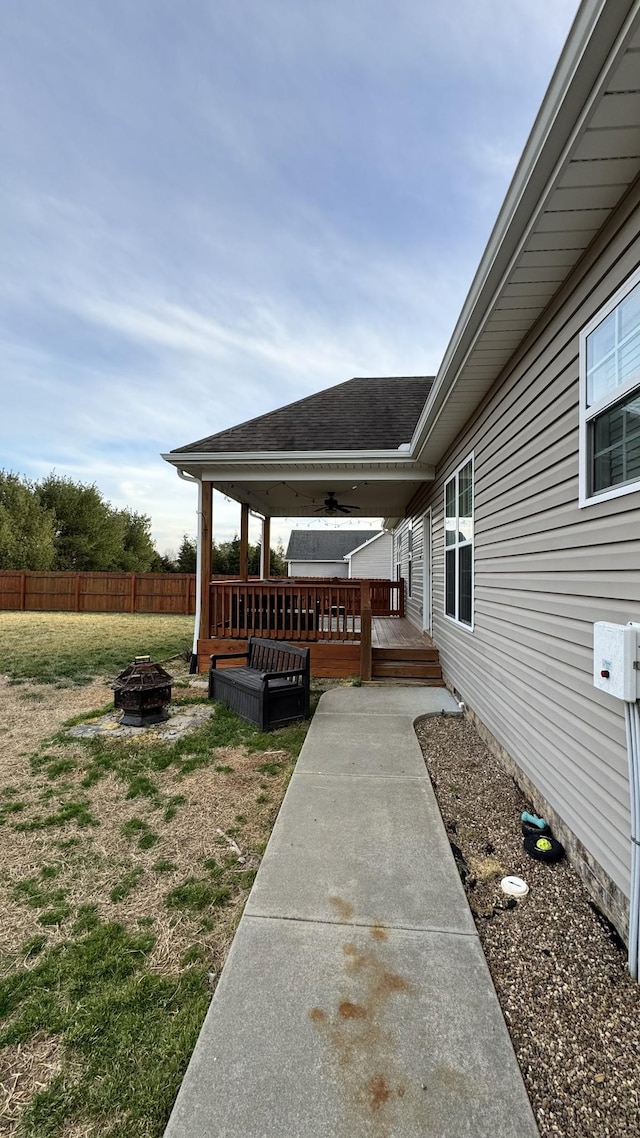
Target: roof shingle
[
  {"x": 325, "y": 545},
  {"x": 361, "y": 414}
]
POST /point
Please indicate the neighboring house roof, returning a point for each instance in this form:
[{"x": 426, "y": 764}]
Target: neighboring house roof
[
  {"x": 326, "y": 545},
  {"x": 369, "y": 541},
  {"x": 361, "y": 414}
]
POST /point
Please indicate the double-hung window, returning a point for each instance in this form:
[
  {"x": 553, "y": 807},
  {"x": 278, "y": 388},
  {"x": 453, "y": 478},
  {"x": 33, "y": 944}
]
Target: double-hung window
[
  {"x": 610, "y": 398},
  {"x": 458, "y": 545}
]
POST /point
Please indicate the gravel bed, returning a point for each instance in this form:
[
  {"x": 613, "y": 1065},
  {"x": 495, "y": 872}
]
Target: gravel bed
[{"x": 559, "y": 968}]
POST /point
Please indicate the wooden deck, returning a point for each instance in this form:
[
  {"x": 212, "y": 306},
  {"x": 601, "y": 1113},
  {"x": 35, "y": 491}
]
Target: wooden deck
[
  {"x": 397, "y": 632},
  {"x": 400, "y": 651}
]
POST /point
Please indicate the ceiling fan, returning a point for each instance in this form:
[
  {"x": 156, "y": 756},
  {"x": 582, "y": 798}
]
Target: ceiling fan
[{"x": 332, "y": 506}]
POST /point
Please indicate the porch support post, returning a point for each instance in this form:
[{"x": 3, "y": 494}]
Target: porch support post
[
  {"x": 265, "y": 568},
  {"x": 205, "y": 539},
  {"x": 365, "y": 631},
  {"x": 244, "y": 542}
]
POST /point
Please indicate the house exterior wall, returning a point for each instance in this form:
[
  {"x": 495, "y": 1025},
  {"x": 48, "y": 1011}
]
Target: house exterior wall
[
  {"x": 405, "y": 551},
  {"x": 545, "y": 570},
  {"x": 374, "y": 560},
  {"x": 318, "y": 569}
]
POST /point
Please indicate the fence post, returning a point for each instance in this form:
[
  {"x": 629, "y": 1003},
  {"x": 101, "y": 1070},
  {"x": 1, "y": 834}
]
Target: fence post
[
  {"x": 365, "y": 631},
  {"x": 76, "y": 593},
  {"x": 132, "y": 595},
  {"x": 23, "y": 591}
]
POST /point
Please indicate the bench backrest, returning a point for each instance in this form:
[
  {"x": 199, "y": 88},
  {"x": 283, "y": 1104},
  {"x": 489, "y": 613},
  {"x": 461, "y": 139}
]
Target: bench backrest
[{"x": 276, "y": 656}]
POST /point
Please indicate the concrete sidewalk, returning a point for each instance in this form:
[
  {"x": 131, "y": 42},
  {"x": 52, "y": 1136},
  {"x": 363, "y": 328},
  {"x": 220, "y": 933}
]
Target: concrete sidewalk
[{"x": 356, "y": 1000}]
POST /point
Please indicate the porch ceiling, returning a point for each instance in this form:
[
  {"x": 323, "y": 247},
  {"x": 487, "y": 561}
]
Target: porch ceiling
[{"x": 295, "y": 496}]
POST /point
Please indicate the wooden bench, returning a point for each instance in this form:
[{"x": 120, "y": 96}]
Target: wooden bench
[{"x": 271, "y": 689}]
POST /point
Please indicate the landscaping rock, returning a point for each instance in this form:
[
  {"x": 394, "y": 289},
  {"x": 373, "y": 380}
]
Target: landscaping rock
[{"x": 559, "y": 969}]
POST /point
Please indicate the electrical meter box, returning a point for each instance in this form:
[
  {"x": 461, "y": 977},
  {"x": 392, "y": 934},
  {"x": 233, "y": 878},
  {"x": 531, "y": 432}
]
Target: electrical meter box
[{"x": 616, "y": 649}]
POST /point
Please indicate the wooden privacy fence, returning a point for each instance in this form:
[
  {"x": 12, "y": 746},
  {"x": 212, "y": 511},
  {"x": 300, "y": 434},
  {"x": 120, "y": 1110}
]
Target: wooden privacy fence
[{"x": 34, "y": 591}]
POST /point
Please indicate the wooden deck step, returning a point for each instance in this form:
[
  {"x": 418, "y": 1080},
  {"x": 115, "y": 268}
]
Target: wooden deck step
[
  {"x": 409, "y": 662},
  {"x": 426, "y": 654},
  {"x": 400, "y": 668}
]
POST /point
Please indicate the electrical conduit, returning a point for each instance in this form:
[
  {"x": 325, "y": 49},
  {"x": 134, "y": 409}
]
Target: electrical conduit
[{"x": 632, "y": 725}]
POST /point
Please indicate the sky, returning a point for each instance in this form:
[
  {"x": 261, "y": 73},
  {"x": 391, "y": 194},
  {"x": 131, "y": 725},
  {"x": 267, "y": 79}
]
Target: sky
[{"x": 209, "y": 209}]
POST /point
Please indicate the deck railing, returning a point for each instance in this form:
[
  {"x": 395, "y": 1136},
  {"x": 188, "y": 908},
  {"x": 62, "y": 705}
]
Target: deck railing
[{"x": 300, "y": 609}]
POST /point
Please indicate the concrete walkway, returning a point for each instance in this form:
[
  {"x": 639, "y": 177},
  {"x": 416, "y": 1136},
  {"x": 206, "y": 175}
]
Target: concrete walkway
[{"x": 356, "y": 1000}]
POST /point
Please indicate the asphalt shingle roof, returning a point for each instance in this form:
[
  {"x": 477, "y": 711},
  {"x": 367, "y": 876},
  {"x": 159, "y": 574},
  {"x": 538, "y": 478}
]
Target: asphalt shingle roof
[
  {"x": 325, "y": 545},
  {"x": 361, "y": 414}
]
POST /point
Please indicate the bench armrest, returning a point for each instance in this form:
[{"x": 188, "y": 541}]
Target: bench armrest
[{"x": 228, "y": 656}]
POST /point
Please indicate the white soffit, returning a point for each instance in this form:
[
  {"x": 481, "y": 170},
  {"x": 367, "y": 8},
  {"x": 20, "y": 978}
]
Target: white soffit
[{"x": 601, "y": 160}]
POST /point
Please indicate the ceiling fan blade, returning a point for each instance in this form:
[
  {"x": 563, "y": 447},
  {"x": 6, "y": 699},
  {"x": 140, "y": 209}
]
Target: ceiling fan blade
[{"x": 343, "y": 509}]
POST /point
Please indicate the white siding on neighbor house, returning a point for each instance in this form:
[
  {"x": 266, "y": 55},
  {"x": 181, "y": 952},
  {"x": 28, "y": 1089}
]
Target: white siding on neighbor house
[
  {"x": 318, "y": 569},
  {"x": 545, "y": 570},
  {"x": 374, "y": 559}
]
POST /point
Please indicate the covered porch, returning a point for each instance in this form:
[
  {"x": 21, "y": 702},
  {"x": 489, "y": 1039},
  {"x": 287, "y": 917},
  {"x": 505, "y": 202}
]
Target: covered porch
[
  {"x": 342, "y": 452},
  {"x": 353, "y": 627}
]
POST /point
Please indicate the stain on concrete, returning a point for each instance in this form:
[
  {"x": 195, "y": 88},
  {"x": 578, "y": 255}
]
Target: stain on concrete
[
  {"x": 344, "y": 910},
  {"x": 351, "y": 1011},
  {"x": 358, "y": 1035},
  {"x": 379, "y": 1092},
  {"x": 379, "y": 932}
]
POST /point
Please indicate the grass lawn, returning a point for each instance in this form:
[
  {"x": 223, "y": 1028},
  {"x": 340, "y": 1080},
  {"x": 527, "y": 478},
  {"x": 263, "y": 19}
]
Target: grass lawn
[
  {"x": 53, "y": 647},
  {"x": 126, "y": 866}
]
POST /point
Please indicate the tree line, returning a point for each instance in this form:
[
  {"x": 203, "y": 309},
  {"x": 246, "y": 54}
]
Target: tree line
[
  {"x": 225, "y": 558},
  {"x": 61, "y": 524}
]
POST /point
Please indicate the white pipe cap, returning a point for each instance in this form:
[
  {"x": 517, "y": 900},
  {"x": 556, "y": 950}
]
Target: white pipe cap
[{"x": 514, "y": 886}]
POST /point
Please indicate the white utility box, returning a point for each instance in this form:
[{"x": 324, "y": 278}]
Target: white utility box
[{"x": 616, "y": 648}]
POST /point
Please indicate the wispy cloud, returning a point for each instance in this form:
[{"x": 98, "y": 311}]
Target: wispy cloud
[{"x": 211, "y": 209}]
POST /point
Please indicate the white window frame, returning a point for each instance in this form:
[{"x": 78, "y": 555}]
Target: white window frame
[
  {"x": 470, "y": 458},
  {"x": 585, "y": 497}
]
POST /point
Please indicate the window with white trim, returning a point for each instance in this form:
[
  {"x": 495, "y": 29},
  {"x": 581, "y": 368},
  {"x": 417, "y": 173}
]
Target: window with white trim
[
  {"x": 610, "y": 398},
  {"x": 458, "y": 548}
]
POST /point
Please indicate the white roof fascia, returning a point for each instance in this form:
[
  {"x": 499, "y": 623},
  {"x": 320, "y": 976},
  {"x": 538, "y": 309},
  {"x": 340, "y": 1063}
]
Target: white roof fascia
[
  {"x": 597, "y": 37},
  {"x": 321, "y": 458}
]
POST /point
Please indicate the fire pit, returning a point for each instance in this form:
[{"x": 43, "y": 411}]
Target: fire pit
[{"x": 143, "y": 691}]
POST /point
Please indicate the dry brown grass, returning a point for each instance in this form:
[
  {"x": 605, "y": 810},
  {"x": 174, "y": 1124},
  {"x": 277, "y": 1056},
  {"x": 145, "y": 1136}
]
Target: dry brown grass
[
  {"x": 31, "y": 712},
  {"x": 242, "y": 804},
  {"x": 24, "y": 1070},
  {"x": 103, "y": 856}
]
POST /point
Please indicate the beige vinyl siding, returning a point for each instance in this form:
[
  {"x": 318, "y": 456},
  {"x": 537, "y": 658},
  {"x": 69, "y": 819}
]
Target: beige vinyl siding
[
  {"x": 375, "y": 559},
  {"x": 545, "y": 570}
]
